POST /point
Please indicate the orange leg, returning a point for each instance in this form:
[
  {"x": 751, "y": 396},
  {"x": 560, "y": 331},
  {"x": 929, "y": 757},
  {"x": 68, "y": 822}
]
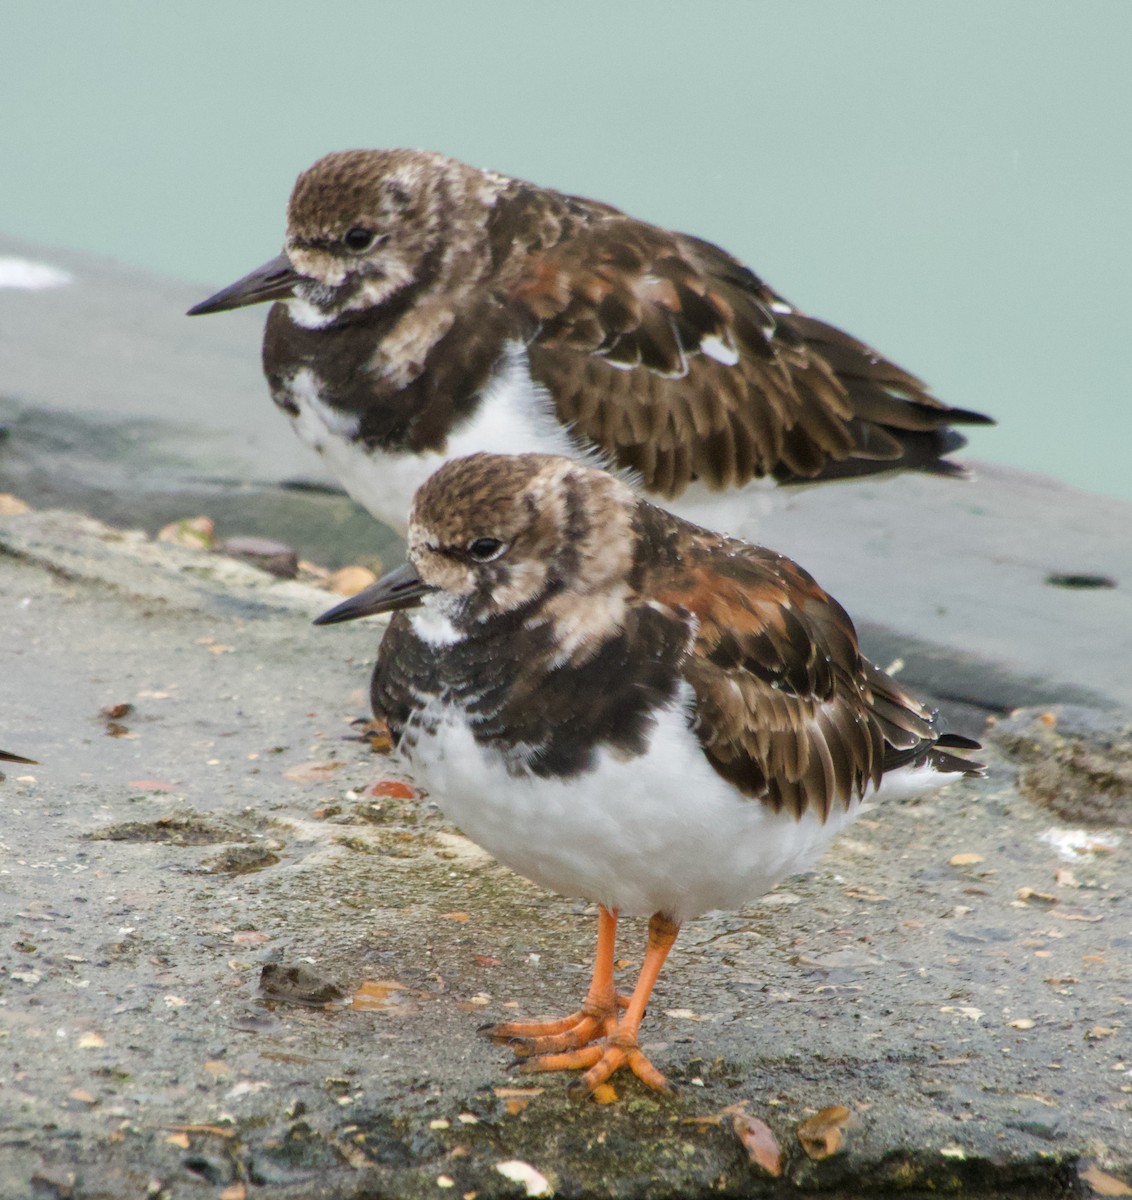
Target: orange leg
[
  {"x": 597, "y": 1018},
  {"x": 620, "y": 1049}
]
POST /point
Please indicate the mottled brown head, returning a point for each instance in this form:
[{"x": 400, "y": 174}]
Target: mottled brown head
[
  {"x": 363, "y": 224},
  {"x": 495, "y": 532}
]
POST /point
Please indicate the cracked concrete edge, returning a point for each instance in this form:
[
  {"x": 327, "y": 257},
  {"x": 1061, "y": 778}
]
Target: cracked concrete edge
[{"x": 83, "y": 548}]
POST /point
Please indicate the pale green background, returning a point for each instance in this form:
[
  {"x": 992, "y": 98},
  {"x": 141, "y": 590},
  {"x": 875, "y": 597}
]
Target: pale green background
[{"x": 950, "y": 181}]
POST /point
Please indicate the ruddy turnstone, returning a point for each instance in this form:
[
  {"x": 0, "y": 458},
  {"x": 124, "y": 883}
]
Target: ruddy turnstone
[
  {"x": 623, "y": 706},
  {"x": 430, "y": 309}
]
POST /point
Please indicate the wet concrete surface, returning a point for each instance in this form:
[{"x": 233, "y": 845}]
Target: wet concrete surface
[{"x": 955, "y": 973}]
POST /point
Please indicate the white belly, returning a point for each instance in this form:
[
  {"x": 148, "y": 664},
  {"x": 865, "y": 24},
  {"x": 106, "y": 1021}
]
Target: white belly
[
  {"x": 515, "y": 416},
  {"x": 658, "y": 833}
]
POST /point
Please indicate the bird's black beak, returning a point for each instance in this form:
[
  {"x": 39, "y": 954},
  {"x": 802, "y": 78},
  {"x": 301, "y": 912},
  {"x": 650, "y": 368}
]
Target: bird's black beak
[
  {"x": 17, "y": 758},
  {"x": 275, "y": 280},
  {"x": 401, "y": 588}
]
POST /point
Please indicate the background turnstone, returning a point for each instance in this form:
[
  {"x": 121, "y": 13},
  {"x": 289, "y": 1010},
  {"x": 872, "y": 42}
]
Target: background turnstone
[
  {"x": 620, "y": 705},
  {"x": 431, "y": 309}
]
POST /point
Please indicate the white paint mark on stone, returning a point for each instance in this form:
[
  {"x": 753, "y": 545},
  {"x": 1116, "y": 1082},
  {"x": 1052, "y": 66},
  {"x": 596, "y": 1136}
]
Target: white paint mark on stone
[{"x": 32, "y": 276}]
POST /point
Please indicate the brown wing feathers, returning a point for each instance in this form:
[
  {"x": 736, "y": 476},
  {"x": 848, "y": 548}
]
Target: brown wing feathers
[
  {"x": 622, "y": 312},
  {"x": 788, "y": 710}
]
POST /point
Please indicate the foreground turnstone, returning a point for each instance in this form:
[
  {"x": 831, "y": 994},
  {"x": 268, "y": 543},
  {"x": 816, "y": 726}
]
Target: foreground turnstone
[
  {"x": 431, "y": 309},
  {"x": 623, "y": 706}
]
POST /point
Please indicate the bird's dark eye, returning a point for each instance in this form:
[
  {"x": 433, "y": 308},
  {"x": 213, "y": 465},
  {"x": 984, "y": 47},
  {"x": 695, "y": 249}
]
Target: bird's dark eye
[
  {"x": 359, "y": 239},
  {"x": 486, "y": 549}
]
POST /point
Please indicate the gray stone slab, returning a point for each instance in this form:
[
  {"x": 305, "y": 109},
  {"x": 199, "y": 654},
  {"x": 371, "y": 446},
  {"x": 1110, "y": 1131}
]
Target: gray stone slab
[
  {"x": 114, "y": 344},
  {"x": 971, "y": 1014},
  {"x": 963, "y": 576}
]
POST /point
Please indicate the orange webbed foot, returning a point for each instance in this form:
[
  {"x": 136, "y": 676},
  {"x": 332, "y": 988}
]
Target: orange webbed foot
[
  {"x": 598, "y": 1039},
  {"x": 599, "y": 1063},
  {"x": 597, "y": 1018},
  {"x": 590, "y": 1023}
]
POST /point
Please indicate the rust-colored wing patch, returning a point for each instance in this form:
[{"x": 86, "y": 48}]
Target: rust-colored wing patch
[{"x": 787, "y": 709}]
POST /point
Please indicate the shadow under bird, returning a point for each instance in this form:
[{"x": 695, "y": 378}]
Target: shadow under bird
[
  {"x": 16, "y": 758},
  {"x": 623, "y": 706},
  {"x": 428, "y": 309}
]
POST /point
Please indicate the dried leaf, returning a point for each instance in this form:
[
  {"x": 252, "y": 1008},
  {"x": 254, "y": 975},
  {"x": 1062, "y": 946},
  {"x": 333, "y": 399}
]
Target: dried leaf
[
  {"x": 250, "y": 937},
  {"x": 1100, "y": 1031},
  {"x": 224, "y": 1131},
  {"x": 760, "y": 1143},
  {"x": 1022, "y": 1023},
  {"x": 374, "y": 994},
  {"x": 392, "y": 788},
  {"x": 821, "y": 1135},
  {"x": 862, "y": 892},
  {"x": 349, "y": 581},
  {"x": 963, "y": 1010},
  {"x": 151, "y": 785},
  {"x": 455, "y": 916},
  {"x": 12, "y": 506},
  {"x": 195, "y": 532},
  {"x": 314, "y": 772},
  {"x": 726, "y": 1113},
  {"x": 965, "y": 860},
  {"x": 213, "y": 646},
  {"x": 181, "y": 1140},
  {"x": 1029, "y": 893},
  {"x": 516, "y": 1099},
  {"x": 1104, "y": 1184},
  {"x": 91, "y": 1041},
  {"x": 1077, "y": 916}
]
